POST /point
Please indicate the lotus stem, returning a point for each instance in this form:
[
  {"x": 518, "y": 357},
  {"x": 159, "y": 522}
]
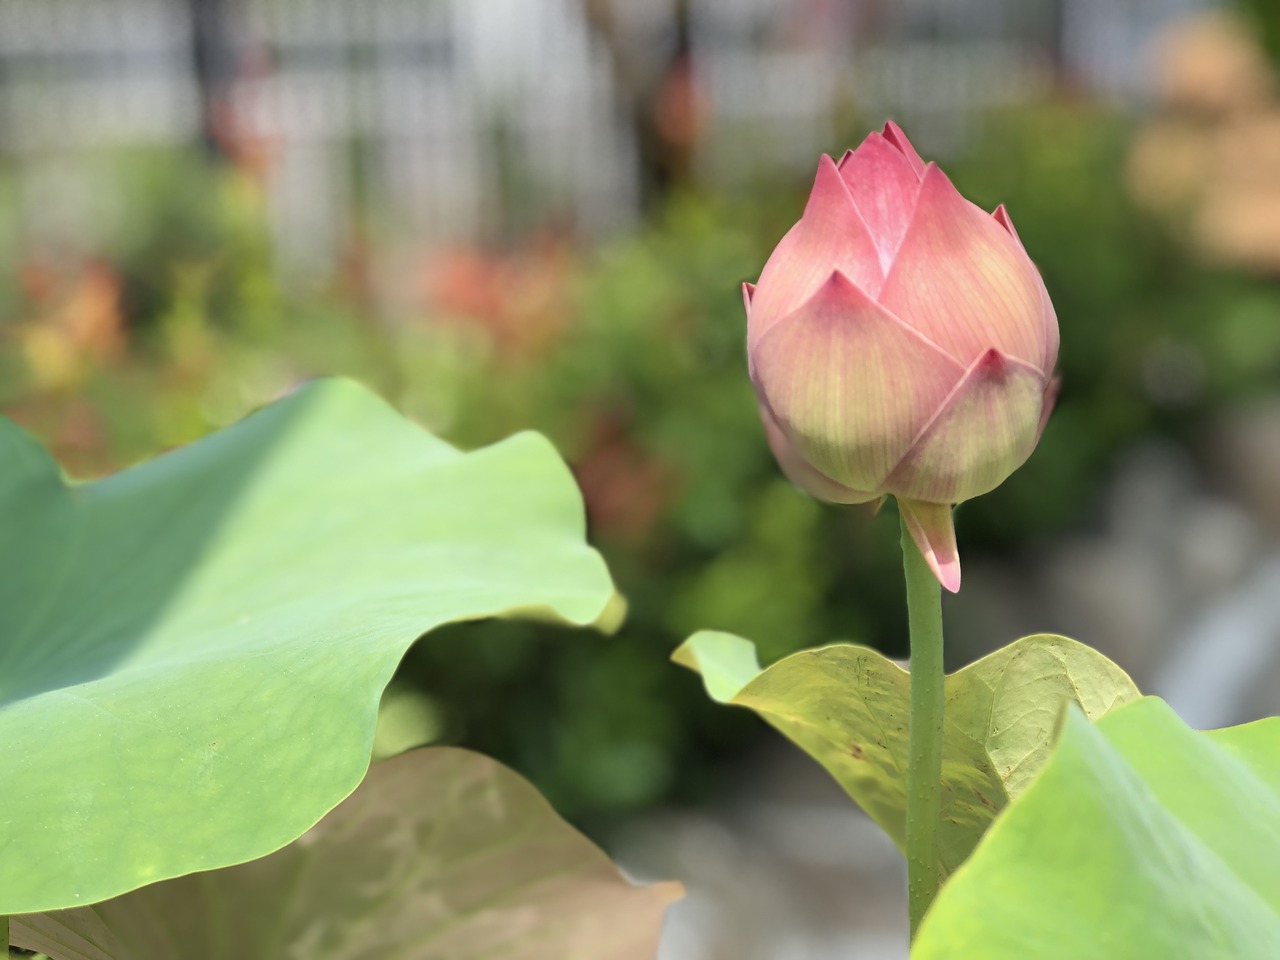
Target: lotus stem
[{"x": 924, "y": 762}]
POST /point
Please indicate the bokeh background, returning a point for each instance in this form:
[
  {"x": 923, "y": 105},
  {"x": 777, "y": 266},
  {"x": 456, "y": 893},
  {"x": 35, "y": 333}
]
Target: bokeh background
[{"x": 509, "y": 214}]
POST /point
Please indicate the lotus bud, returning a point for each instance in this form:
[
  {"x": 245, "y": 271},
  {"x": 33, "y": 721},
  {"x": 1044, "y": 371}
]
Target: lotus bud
[{"x": 901, "y": 343}]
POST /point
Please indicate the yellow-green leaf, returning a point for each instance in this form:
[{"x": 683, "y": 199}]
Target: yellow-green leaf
[{"x": 847, "y": 707}]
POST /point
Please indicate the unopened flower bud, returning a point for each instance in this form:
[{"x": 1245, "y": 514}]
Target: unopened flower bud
[{"x": 901, "y": 343}]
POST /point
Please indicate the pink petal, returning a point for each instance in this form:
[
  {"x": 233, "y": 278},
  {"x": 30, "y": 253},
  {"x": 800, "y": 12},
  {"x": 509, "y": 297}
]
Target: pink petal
[
  {"x": 893, "y": 133},
  {"x": 1048, "y": 402},
  {"x": 984, "y": 431},
  {"x": 849, "y": 384},
  {"x": 964, "y": 282},
  {"x": 830, "y": 236},
  {"x": 932, "y": 527},
  {"x": 748, "y": 291},
  {"x": 1001, "y": 216},
  {"x": 802, "y": 473},
  {"x": 884, "y": 187},
  {"x": 1050, "y": 319}
]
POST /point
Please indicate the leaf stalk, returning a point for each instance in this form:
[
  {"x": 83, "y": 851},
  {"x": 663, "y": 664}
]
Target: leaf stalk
[{"x": 924, "y": 760}]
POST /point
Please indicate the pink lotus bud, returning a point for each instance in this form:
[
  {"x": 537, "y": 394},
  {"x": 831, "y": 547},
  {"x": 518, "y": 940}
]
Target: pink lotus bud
[{"x": 901, "y": 342}]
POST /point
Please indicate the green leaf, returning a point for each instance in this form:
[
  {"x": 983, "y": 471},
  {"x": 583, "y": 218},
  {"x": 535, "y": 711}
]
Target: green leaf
[
  {"x": 847, "y": 707},
  {"x": 192, "y": 651},
  {"x": 439, "y": 853},
  {"x": 1140, "y": 838}
]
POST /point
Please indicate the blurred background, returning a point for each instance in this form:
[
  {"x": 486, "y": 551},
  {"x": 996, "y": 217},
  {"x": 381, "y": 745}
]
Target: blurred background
[{"x": 509, "y": 214}]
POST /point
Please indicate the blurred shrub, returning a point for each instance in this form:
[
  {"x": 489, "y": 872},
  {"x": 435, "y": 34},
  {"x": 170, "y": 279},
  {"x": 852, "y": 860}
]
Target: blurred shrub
[
  {"x": 645, "y": 392},
  {"x": 1265, "y": 15},
  {"x": 631, "y": 358}
]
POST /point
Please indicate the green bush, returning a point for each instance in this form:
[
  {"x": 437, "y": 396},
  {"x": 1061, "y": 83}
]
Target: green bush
[{"x": 634, "y": 365}]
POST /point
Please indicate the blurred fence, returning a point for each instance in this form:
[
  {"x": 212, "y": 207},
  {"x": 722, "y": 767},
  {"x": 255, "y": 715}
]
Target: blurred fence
[{"x": 470, "y": 119}]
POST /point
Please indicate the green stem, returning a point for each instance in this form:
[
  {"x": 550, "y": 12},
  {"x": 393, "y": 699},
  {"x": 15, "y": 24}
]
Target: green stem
[{"x": 924, "y": 763}]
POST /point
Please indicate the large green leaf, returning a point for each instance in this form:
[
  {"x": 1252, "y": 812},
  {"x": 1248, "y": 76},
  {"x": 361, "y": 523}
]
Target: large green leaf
[
  {"x": 847, "y": 707},
  {"x": 440, "y": 854},
  {"x": 192, "y": 651},
  {"x": 1140, "y": 838}
]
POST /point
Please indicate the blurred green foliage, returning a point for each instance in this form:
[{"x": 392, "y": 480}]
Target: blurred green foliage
[
  {"x": 631, "y": 357},
  {"x": 1265, "y": 15}
]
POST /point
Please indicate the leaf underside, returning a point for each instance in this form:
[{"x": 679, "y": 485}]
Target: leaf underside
[{"x": 440, "y": 853}]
